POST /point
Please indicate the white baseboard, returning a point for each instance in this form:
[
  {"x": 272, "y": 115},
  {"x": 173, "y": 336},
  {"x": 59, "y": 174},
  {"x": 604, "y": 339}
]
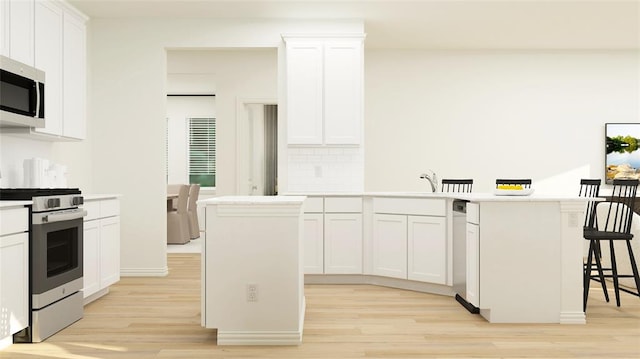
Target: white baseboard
[
  {"x": 259, "y": 338},
  {"x": 144, "y": 272},
  {"x": 381, "y": 281},
  {"x": 572, "y": 318},
  {"x": 96, "y": 295}
]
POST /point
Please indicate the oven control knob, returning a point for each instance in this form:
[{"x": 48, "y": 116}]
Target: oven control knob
[
  {"x": 53, "y": 202},
  {"x": 76, "y": 201}
]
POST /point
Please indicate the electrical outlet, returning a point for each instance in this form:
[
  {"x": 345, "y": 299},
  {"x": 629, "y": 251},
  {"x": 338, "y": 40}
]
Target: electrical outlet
[{"x": 252, "y": 292}]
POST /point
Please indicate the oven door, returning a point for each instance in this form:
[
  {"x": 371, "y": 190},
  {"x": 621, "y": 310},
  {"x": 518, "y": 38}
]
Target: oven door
[{"x": 56, "y": 256}]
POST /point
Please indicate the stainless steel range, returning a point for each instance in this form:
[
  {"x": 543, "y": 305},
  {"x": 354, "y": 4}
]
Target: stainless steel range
[{"x": 55, "y": 259}]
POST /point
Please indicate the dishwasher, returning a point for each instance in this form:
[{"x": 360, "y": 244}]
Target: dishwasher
[{"x": 460, "y": 254}]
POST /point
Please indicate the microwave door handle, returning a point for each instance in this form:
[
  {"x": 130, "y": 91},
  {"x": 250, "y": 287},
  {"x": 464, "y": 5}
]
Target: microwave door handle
[
  {"x": 37, "y": 106},
  {"x": 65, "y": 216}
]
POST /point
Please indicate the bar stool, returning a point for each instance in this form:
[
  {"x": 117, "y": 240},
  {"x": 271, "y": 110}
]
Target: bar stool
[
  {"x": 613, "y": 223},
  {"x": 590, "y": 188}
]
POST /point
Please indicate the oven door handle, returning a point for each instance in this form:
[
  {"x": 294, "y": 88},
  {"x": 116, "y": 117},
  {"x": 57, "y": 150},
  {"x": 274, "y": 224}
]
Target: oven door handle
[{"x": 60, "y": 217}]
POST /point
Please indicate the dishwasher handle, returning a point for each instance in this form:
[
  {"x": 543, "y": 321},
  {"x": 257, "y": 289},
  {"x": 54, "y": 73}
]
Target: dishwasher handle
[{"x": 460, "y": 206}]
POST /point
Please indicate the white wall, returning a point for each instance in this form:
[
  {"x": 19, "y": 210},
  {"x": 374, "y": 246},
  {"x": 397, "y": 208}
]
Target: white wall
[
  {"x": 127, "y": 99},
  {"x": 491, "y": 114}
]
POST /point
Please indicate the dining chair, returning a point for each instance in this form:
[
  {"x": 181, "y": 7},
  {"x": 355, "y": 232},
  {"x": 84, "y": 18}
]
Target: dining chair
[
  {"x": 613, "y": 223},
  {"x": 525, "y": 183},
  {"x": 590, "y": 188},
  {"x": 457, "y": 185},
  {"x": 178, "y": 219},
  {"x": 173, "y": 188},
  {"x": 192, "y": 211}
]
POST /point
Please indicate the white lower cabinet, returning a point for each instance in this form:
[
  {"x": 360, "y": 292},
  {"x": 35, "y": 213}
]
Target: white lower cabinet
[
  {"x": 426, "y": 249},
  {"x": 343, "y": 243},
  {"x": 473, "y": 264},
  {"x": 390, "y": 245},
  {"x": 14, "y": 271},
  {"x": 313, "y": 243},
  {"x": 101, "y": 251}
]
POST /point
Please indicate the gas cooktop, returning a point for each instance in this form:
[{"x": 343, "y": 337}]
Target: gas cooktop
[{"x": 25, "y": 194}]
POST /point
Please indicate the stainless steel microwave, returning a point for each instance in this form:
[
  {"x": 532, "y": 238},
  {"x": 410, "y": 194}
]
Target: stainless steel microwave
[{"x": 21, "y": 94}]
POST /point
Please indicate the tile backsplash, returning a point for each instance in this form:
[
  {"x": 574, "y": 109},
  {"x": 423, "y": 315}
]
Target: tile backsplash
[{"x": 326, "y": 169}]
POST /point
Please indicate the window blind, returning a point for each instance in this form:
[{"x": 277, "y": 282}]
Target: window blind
[{"x": 202, "y": 151}]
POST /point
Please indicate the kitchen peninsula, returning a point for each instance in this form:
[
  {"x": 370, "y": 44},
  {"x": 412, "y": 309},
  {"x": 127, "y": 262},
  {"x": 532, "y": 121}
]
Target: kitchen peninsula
[
  {"x": 524, "y": 253},
  {"x": 527, "y": 250}
]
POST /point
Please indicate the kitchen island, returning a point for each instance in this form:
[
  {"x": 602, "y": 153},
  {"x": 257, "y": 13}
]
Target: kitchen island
[{"x": 252, "y": 277}]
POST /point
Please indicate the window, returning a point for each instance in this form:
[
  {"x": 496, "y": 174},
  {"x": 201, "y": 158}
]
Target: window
[{"x": 202, "y": 151}]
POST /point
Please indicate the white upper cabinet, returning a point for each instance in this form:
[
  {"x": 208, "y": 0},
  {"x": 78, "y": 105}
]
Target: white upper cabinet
[
  {"x": 60, "y": 51},
  {"x": 304, "y": 92},
  {"x": 343, "y": 108},
  {"x": 17, "y": 30},
  {"x": 324, "y": 90},
  {"x": 49, "y": 59},
  {"x": 74, "y": 76}
]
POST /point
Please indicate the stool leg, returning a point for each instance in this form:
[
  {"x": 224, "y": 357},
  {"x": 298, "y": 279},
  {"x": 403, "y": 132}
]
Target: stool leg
[
  {"x": 634, "y": 266},
  {"x": 598, "y": 255},
  {"x": 614, "y": 271},
  {"x": 587, "y": 277}
]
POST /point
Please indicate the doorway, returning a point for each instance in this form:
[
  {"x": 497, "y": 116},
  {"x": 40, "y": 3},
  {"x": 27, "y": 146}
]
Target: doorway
[{"x": 257, "y": 148}]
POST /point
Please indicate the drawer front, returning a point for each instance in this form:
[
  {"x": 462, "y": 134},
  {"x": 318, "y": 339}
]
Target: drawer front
[
  {"x": 313, "y": 205},
  {"x": 109, "y": 208},
  {"x": 14, "y": 220},
  {"x": 343, "y": 204},
  {"x": 93, "y": 210},
  {"x": 473, "y": 213},
  {"x": 411, "y": 206}
]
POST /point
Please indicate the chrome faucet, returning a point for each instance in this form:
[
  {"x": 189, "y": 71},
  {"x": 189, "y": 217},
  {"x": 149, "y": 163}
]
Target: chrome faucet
[{"x": 433, "y": 180}]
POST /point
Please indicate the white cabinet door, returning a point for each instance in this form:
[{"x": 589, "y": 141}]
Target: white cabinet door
[
  {"x": 14, "y": 283},
  {"x": 313, "y": 243},
  {"x": 74, "y": 77},
  {"x": 48, "y": 58},
  {"x": 110, "y": 251},
  {"x": 427, "y": 249},
  {"x": 304, "y": 92},
  {"x": 343, "y": 89},
  {"x": 390, "y": 245},
  {"x": 343, "y": 243},
  {"x": 19, "y": 36},
  {"x": 91, "y": 257},
  {"x": 473, "y": 264}
]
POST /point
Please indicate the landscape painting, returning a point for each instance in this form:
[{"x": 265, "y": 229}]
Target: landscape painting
[{"x": 622, "y": 153}]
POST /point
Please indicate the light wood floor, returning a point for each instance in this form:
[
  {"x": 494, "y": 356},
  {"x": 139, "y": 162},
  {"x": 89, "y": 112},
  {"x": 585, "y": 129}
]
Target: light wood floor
[{"x": 160, "y": 318}]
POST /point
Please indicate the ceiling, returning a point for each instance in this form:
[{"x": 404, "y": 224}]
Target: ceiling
[{"x": 424, "y": 24}]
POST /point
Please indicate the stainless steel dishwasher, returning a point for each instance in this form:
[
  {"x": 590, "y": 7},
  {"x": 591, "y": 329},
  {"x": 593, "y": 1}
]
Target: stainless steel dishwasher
[{"x": 460, "y": 254}]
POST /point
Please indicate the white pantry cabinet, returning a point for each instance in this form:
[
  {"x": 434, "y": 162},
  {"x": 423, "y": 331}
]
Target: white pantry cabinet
[
  {"x": 324, "y": 90},
  {"x": 101, "y": 249},
  {"x": 343, "y": 235},
  {"x": 14, "y": 271},
  {"x": 17, "y": 30}
]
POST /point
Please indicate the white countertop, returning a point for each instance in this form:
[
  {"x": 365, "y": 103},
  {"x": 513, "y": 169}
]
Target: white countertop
[
  {"x": 11, "y": 204},
  {"x": 473, "y": 197},
  {"x": 254, "y": 200}
]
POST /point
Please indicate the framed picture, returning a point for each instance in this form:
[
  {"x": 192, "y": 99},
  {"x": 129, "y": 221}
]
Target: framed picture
[{"x": 622, "y": 159}]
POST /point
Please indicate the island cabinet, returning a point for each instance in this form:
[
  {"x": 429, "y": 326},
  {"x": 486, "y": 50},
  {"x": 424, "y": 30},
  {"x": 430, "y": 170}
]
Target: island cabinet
[
  {"x": 14, "y": 272},
  {"x": 409, "y": 239},
  {"x": 343, "y": 235},
  {"x": 324, "y": 81},
  {"x": 101, "y": 248},
  {"x": 473, "y": 254}
]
